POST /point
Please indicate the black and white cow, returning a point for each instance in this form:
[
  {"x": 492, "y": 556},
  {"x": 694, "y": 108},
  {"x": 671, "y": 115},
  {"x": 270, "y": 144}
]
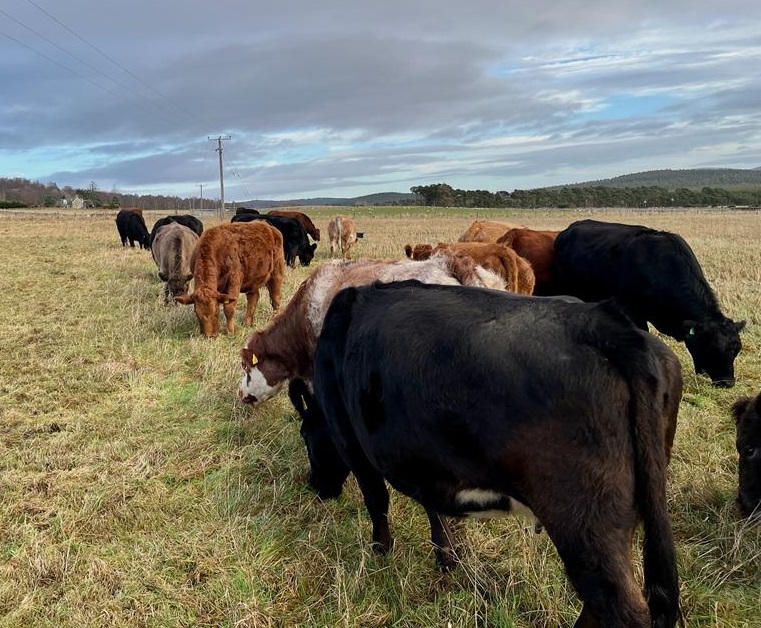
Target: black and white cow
[
  {"x": 476, "y": 401},
  {"x": 131, "y": 227},
  {"x": 657, "y": 278},
  {"x": 295, "y": 240},
  {"x": 747, "y": 413}
]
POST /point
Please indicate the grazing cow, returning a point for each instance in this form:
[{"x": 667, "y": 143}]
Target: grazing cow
[
  {"x": 305, "y": 221},
  {"x": 285, "y": 349},
  {"x": 131, "y": 227},
  {"x": 230, "y": 259},
  {"x": 476, "y": 402},
  {"x": 487, "y": 231},
  {"x": 538, "y": 248},
  {"x": 342, "y": 232},
  {"x": 172, "y": 248},
  {"x": 295, "y": 240},
  {"x": 188, "y": 220},
  {"x": 516, "y": 271},
  {"x": 657, "y": 278},
  {"x": 747, "y": 413}
]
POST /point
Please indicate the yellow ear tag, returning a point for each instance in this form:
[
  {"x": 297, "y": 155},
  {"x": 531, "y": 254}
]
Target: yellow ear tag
[{"x": 254, "y": 359}]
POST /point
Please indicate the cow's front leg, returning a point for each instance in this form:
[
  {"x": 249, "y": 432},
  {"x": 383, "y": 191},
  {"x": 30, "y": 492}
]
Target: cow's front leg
[
  {"x": 229, "y": 309},
  {"x": 252, "y": 299},
  {"x": 442, "y": 539}
]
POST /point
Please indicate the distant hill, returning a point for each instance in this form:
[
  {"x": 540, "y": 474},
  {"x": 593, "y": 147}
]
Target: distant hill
[
  {"x": 381, "y": 198},
  {"x": 694, "y": 178}
]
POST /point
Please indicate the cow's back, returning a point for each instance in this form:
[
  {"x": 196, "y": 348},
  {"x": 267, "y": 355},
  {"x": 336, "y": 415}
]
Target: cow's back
[
  {"x": 173, "y": 247},
  {"x": 487, "y": 230}
]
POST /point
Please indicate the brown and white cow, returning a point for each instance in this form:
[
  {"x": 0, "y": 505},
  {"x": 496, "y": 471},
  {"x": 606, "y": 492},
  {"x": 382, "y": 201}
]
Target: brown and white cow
[
  {"x": 342, "y": 232},
  {"x": 487, "y": 230},
  {"x": 516, "y": 271},
  {"x": 285, "y": 349},
  {"x": 230, "y": 259},
  {"x": 538, "y": 248},
  {"x": 172, "y": 249},
  {"x": 305, "y": 221},
  {"x": 747, "y": 413}
]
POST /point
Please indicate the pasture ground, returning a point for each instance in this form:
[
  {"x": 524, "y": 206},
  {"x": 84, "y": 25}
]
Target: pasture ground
[{"x": 137, "y": 491}]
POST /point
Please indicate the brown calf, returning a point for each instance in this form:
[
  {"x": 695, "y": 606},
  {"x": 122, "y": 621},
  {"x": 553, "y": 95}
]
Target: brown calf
[
  {"x": 538, "y": 248},
  {"x": 487, "y": 231},
  {"x": 342, "y": 232},
  {"x": 230, "y": 259},
  {"x": 502, "y": 260}
]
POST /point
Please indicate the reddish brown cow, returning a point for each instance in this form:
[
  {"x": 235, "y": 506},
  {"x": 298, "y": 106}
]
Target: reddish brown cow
[
  {"x": 342, "y": 232},
  {"x": 305, "y": 221},
  {"x": 230, "y": 259},
  {"x": 487, "y": 230},
  {"x": 538, "y": 248},
  {"x": 502, "y": 260},
  {"x": 285, "y": 350}
]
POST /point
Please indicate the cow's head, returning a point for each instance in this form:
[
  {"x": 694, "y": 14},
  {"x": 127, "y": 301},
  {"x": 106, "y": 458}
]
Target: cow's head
[
  {"x": 714, "y": 345},
  {"x": 306, "y": 254},
  {"x": 327, "y": 470},
  {"x": 175, "y": 286},
  {"x": 206, "y": 305},
  {"x": 747, "y": 413},
  {"x": 263, "y": 375}
]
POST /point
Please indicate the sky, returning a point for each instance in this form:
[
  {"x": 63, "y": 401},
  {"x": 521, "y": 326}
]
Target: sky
[{"x": 353, "y": 97}]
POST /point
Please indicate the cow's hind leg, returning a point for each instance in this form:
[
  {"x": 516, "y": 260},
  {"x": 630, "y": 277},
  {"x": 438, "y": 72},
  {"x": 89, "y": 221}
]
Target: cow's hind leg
[{"x": 598, "y": 564}]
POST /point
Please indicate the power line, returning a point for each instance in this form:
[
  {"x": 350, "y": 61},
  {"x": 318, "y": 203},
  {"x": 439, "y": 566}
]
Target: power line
[{"x": 156, "y": 92}]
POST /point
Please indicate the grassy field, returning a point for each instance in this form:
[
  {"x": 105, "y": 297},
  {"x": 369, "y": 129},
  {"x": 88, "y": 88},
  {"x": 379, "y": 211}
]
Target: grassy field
[{"x": 137, "y": 491}]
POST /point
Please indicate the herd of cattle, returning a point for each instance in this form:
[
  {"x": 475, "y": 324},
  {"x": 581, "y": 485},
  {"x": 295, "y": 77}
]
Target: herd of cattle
[{"x": 511, "y": 371}]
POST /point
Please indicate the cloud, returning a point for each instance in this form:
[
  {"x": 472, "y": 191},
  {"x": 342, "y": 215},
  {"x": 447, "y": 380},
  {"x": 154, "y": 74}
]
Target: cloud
[{"x": 346, "y": 98}]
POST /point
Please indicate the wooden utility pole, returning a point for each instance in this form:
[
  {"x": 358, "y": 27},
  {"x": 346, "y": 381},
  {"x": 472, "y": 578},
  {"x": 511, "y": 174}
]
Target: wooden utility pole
[
  {"x": 200, "y": 185},
  {"x": 219, "y": 140}
]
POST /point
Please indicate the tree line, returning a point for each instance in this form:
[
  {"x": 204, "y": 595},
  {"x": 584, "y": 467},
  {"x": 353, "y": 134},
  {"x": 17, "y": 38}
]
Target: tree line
[{"x": 443, "y": 195}]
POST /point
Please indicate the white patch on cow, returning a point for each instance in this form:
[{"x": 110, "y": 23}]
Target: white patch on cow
[
  {"x": 490, "y": 279},
  {"x": 483, "y": 498},
  {"x": 325, "y": 285},
  {"x": 254, "y": 387}
]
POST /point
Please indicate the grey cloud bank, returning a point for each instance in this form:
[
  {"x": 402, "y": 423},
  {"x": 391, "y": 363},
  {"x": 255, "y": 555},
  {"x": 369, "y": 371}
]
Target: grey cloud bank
[{"x": 350, "y": 98}]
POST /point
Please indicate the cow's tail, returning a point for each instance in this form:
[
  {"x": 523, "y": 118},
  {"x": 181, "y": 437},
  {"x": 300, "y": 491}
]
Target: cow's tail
[{"x": 654, "y": 415}]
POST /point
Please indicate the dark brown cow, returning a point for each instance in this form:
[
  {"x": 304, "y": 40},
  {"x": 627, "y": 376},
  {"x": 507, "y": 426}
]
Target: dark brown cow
[
  {"x": 479, "y": 402},
  {"x": 538, "y": 248},
  {"x": 747, "y": 413},
  {"x": 342, "y": 232},
  {"x": 305, "y": 221},
  {"x": 503, "y": 260},
  {"x": 487, "y": 230},
  {"x": 285, "y": 349},
  {"x": 230, "y": 259}
]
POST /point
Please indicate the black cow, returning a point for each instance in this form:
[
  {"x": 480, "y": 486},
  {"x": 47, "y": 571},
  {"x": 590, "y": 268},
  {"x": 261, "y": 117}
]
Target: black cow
[
  {"x": 473, "y": 401},
  {"x": 188, "y": 220},
  {"x": 131, "y": 227},
  {"x": 295, "y": 240},
  {"x": 245, "y": 210},
  {"x": 747, "y": 413},
  {"x": 657, "y": 278}
]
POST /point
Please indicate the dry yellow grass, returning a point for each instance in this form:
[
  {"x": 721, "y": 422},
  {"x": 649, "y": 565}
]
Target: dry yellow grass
[{"x": 137, "y": 491}]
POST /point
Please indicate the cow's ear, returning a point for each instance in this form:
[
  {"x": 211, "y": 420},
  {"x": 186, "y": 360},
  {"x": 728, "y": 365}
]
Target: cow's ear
[
  {"x": 314, "y": 247},
  {"x": 162, "y": 276},
  {"x": 691, "y": 328},
  {"x": 186, "y": 299},
  {"x": 740, "y": 406},
  {"x": 740, "y": 325}
]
